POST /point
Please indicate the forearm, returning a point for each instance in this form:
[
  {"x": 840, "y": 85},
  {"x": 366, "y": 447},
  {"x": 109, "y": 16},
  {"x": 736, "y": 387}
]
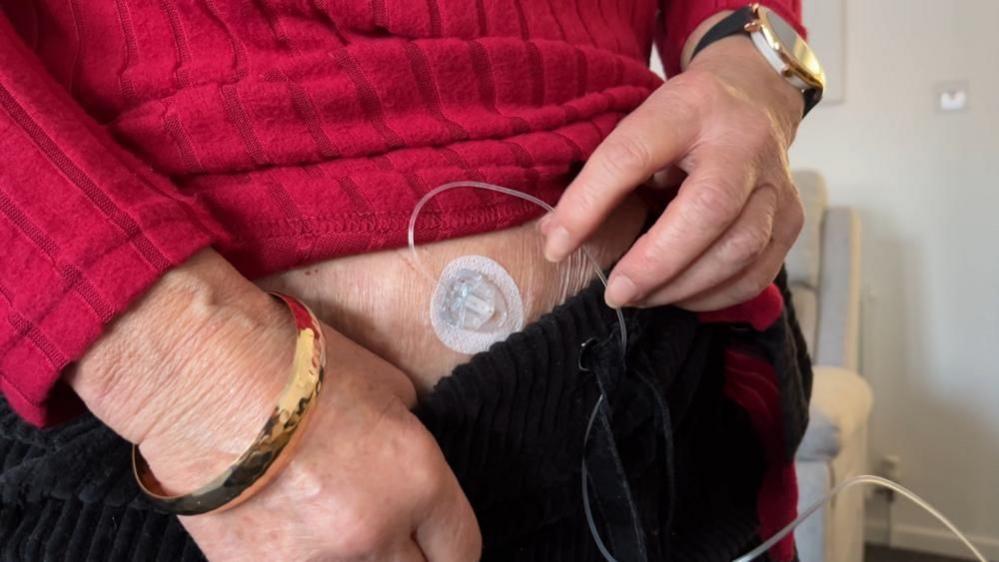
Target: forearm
[
  {"x": 191, "y": 373},
  {"x": 192, "y": 370},
  {"x": 85, "y": 230}
]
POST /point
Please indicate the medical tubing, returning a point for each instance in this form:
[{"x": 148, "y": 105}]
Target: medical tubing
[
  {"x": 411, "y": 241},
  {"x": 766, "y": 545},
  {"x": 411, "y": 232},
  {"x": 857, "y": 480}
]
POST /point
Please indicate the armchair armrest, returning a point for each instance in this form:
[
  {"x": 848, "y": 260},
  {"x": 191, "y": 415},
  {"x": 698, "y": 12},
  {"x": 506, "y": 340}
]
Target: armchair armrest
[
  {"x": 841, "y": 406},
  {"x": 839, "y": 294}
]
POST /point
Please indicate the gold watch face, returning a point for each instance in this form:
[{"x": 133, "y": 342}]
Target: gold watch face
[{"x": 792, "y": 47}]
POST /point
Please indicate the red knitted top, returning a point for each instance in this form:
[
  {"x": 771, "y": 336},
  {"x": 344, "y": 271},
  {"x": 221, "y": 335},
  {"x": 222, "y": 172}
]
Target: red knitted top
[{"x": 135, "y": 133}]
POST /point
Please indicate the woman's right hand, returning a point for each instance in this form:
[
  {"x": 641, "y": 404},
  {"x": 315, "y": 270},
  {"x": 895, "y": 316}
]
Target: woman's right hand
[{"x": 367, "y": 481}]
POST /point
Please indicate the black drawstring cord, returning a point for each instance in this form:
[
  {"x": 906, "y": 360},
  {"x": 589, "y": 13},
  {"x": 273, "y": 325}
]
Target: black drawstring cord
[
  {"x": 629, "y": 540},
  {"x": 594, "y": 532}
]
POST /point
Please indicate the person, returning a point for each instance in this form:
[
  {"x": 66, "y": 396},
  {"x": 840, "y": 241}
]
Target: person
[{"x": 167, "y": 163}]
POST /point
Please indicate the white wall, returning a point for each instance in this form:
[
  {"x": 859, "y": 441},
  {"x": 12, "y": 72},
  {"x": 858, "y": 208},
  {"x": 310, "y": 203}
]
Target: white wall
[{"x": 927, "y": 188}]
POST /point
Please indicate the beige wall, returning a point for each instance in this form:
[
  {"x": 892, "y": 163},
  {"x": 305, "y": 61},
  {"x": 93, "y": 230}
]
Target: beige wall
[{"x": 927, "y": 187}]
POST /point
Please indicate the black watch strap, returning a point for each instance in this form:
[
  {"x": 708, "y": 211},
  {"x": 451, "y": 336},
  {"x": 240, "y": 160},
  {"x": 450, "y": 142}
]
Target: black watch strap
[
  {"x": 812, "y": 98},
  {"x": 735, "y": 24}
]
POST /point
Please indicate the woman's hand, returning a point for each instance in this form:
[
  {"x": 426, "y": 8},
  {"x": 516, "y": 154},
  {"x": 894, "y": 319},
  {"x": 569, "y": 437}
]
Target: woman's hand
[
  {"x": 723, "y": 127},
  {"x": 368, "y": 483},
  {"x": 191, "y": 374}
]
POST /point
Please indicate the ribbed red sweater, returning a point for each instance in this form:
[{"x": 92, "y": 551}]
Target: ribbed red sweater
[{"x": 134, "y": 133}]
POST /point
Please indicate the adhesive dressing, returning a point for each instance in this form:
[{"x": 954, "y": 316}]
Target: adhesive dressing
[
  {"x": 475, "y": 304},
  {"x": 476, "y": 297},
  {"x": 421, "y": 267}
]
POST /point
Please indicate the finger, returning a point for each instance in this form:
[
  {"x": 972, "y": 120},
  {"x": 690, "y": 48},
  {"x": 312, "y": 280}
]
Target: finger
[
  {"x": 751, "y": 282},
  {"x": 741, "y": 245},
  {"x": 708, "y": 203},
  {"x": 661, "y": 131},
  {"x": 450, "y": 532}
]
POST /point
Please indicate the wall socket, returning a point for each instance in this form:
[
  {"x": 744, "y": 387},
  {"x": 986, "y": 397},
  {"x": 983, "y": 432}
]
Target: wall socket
[
  {"x": 952, "y": 96},
  {"x": 890, "y": 468}
]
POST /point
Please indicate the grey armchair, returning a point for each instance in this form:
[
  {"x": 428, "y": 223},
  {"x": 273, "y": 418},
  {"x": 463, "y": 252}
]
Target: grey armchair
[{"x": 824, "y": 277}]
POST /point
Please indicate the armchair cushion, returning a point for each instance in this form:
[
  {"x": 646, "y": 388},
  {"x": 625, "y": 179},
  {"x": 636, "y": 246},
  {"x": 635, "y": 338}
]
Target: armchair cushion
[{"x": 841, "y": 405}]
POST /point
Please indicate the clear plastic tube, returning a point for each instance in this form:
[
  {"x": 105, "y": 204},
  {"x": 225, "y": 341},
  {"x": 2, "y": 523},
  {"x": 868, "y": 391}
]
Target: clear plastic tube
[
  {"x": 864, "y": 479},
  {"x": 411, "y": 240},
  {"x": 766, "y": 545},
  {"x": 411, "y": 232}
]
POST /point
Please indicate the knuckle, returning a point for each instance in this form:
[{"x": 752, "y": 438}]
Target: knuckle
[
  {"x": 626, "y": 156},
  {"x": 794, "y": 222},
  {"x": 655, "y": 249},
  {"x": 714, "y": 203},
  {"x": 652, "y": 260},
  {"x": 797, "y": 218},
  {"x": 753, "y": 285},
  {"x": 425, "y": 467},
  {"x": 655, "y": 252},
  {"x": 746, "y": 245},
  {"x": 585, "y": 202}
]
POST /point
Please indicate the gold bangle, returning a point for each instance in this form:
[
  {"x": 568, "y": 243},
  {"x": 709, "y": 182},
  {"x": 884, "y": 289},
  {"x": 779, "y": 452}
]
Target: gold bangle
[{"x": 263, "y": 459}]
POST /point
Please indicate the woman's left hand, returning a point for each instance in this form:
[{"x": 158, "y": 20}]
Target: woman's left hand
[{"x": 725, "y": 125}]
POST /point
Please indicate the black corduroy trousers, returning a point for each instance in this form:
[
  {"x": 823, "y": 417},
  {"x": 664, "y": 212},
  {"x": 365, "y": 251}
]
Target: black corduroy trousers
[{"x": 674, "y": 468}]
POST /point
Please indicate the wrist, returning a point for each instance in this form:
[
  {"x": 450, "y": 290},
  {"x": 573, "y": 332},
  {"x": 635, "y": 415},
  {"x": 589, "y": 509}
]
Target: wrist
[
  {"x": 191, "y": 372},
  {"x": 697, "y": 34},
  {"x": 737, "y": 62}
]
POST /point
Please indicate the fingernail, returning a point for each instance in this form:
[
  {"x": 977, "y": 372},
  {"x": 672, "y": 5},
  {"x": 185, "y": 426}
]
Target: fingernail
[
  {"x": 558, "y": 244},
  {"x": 620, "y": 291}
]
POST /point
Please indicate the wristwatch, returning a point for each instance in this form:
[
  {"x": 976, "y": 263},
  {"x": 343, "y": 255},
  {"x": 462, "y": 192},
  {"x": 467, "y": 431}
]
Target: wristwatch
[{"x": 779, "y": 43}]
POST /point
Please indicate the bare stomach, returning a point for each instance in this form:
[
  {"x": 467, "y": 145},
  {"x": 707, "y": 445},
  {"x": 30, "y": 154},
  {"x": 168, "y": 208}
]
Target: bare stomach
[{"x": 381, "y": 300}]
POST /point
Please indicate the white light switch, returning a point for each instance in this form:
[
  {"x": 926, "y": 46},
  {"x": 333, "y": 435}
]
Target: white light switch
[{"x": 952, "y": 96}]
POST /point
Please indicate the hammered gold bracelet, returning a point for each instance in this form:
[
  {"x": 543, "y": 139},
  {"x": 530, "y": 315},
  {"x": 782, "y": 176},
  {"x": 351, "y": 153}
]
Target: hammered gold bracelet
[{"x": 271, "y": 450}]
